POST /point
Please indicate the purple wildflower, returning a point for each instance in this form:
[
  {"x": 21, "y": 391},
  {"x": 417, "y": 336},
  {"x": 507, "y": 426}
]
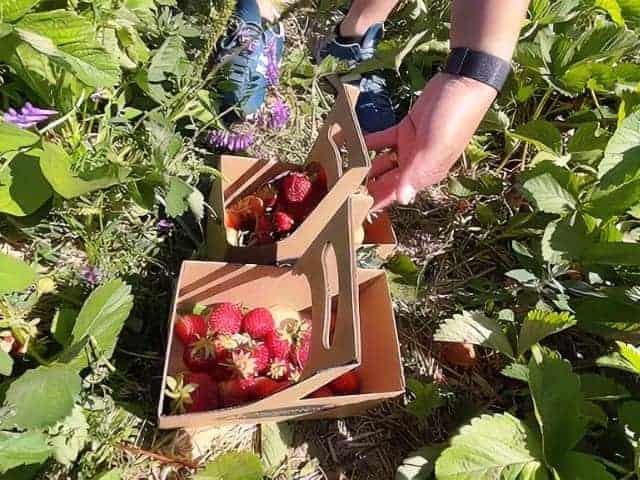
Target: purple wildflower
[
  {"x": 91, "y": 275},
  {"x": 28, "y": 115},
  {"x": 273, "y": 68},
  {"x": 232, "y": 141},
  {"x": 165, "y": 225},
  {"x": 276, "y": 116}
]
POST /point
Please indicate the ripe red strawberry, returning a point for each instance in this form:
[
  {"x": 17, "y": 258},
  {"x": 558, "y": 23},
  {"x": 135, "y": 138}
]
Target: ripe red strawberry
[
  {"x": 279, "y": 369},
  {"x": 279, "y": 344},
  {"x": 235, "y": 391},
  {"x": 264, "y": 230},
  {"x": 265, "y": 386},
  {"x": 192, "y": 392},
  {"x": 258, "y": 322},
  {"x": 460, "y": 354},
  {"x": 295, "y": 187},
  {"x": 190, "y": 328},
  {"x": 347, "y": 384},
  {"x": 321, "y": 393},
  {"x": 282, "y": 221},
  {"x": 262, "y": 356},
  {"x": 200, "y": 356},
  {"x": 225, "y": 318}
]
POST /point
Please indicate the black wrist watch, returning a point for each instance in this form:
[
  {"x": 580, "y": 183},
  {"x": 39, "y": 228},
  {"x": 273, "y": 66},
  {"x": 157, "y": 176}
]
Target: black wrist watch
[{"x": 484, "y": 67}]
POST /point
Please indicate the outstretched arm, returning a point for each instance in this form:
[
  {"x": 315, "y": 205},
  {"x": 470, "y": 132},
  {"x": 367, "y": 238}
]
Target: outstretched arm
[{"x": 429, "y": 140}]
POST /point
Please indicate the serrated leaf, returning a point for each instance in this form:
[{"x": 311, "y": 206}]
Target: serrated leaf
[
  {"x": 629, "y": 415},
  {"x": 232, "y": 466},
  {"x": 419, "y": 465},
  {"x": 12, "y": 10},
  {"x": 69, "y": 437},
  {"x": 170, "y": 58},
  {"x": 13, "y": 138},
  {"x": 475, "y": 328},
  {"x": 182, "y": 196},
  {"x": 540, "y": 324},
  {"x": 15, "y": 274},
  {"x": 557, "y": 400},
  {"x": 617, "y": 200},
  {"x": 599, "y": 387},
  {"x": 41, "y": 397},
  {"x": 517, "y": 371},
  {"x": 426, "y": 398},
  {"x": 56, "y": 167},
  {"x": 622, "y": 151},
  {"x": 102, "y": 317},
  {"x": 62, "y": 27},
  {"x": 542, "y": 134},
  {"x": 6, "y": 363},
  {"x": 580, "y": 466},
  {"x": 627, "y": 358},
  {"x": 548, "y": 195},
  {"x": 524, "y": 277},
  {"x": 609, "y": 314},
  {"x": 276, "y": 438},
  {"x": 490, "y": 447},
  {"x": 23, "y": 188},
  {"x": 22, "y": 449}
]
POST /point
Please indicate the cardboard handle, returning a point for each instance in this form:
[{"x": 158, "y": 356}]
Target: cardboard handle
[
  {"x": 316, "y": 265},
  {"x": 340, "y": 127}
]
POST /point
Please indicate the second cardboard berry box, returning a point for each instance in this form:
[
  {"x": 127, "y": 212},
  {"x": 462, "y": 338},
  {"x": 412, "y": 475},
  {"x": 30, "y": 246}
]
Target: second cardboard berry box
[
  {"x": 339, "y": 154},
  {"x": 324, "y": 278}
]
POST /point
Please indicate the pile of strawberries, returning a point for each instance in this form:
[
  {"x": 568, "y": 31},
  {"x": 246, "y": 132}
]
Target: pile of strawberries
[
  {"x": 234, "y": 357},
  {"x": 276, "y": 209}
]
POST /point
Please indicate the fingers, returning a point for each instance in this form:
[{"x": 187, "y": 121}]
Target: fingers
[
  {"x": 385, "y": 139},
  {"x": 383, "y": 163},
  {"x": 383, "y": 189}
]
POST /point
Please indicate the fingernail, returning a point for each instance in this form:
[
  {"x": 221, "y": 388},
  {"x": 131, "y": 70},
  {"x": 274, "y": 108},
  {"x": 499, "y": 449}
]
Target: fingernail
[{"x": 406, "y": 195}]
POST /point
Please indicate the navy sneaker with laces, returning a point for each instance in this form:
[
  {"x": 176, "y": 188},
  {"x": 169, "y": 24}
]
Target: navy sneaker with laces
[
  {"x": 251, "y": 55},
  {"x": 374, "y": 108}
]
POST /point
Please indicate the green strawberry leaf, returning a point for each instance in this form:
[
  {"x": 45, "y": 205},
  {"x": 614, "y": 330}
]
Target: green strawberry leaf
[
  {"x": 475, "y": 328},
  {"x": 599, "y": 387},
  {"x": 232, "y": 466},
  {"x": 627, "y": 358},
  {"x": 542, "y": 134},
  {"x": 540, "y": 324},
  {"x": 426, "y": 398},
  {"x": 580, "y": 466},
  {"x": 419, "y": 465},
  {"x": 22, "y": 449}
]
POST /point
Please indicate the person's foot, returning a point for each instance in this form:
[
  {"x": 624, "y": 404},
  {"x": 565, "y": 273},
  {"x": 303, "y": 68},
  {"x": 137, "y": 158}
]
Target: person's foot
[
  {"x": 252, "y": 56},
  {"x": 374, "y": 108}
]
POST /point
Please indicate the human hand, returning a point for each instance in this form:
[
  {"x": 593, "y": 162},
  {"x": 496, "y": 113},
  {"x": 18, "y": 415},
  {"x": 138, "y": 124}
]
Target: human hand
[{"x": 429, "y": 140}]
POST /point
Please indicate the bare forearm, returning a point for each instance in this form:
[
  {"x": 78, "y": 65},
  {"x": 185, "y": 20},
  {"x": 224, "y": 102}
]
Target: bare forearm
[{"x": 490, "y": 26}]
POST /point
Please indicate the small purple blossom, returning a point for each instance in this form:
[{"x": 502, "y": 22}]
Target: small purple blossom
[
  {"x": 273, "y": 68},
  {"x": 91, "y": 275},
  {"x": 232, "y": 141},
  {"x": 165, "y": 225},
  {"x": 275, "y": 116},
  {"x": 28, "y": 116}
]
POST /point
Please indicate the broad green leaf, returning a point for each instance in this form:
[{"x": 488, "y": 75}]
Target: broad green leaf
[
  {"x": 101, "y": 318},
  {"x": 599, "y": 387},
  {"x": 605, "y": 41},
  {"x": 622, "y": 153},
  {"x": 62, "y": 325},
  {"x": 627, "y": 358},
  {"x": 232, "y": 466},
  {"x": 605, "y": 203},
  {"x": 275, "y": 440},
  {"x": 476, "y": 328},
  {"x": 580, "y": 466},
  {"x": 6, "y": 363},
  {"x": 594, "y": 415},
  {"x": 182, "y": 196},
  {"x": 517, "y": 371},
  {"x": 557, "y": 400},
  {"x": 545, "y": 12},
  {"x": 23, "y": 188},
  {"x": 56, "y": 167},
  {"x": 612, "y": 7},
  {"x": 90, "y": 64},
  {"x": 588, "y": 138},
  {"x": 524, "y": 277},
  {"x": 170, "y": 58},
  {"x": 41, "y": 397},
  {"x": 12, "y": 138},
  {"x": 22, "y": 449},
  {"x": 542, "y": 134},
  {"x": 610, "y": 314},
  {"x": 15, "y": 275},
  {"x": 12, "y": 10},
  {"x": 489, "y": 448},
  {"x": 426, "y": 398},
  {"x": 547, "y": 194},
  {"x": 540, "y": 324},
  {"x": 419, "y": 465},
  {"x": 69, "y": 437},
  {"x": 62, "y": 27},
  {"x": 629, "y": 415}
]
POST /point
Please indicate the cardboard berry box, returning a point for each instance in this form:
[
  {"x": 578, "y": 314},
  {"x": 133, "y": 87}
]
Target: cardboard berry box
[
  {"x": 364, "y": 339},
  {"x": 341, "y": 151}
]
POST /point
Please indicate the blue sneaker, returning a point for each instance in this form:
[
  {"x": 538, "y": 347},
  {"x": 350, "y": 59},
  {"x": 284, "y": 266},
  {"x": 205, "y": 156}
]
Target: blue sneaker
[
  {"x": 252, "y": 56},
  {"x": 374, "y": 108}
]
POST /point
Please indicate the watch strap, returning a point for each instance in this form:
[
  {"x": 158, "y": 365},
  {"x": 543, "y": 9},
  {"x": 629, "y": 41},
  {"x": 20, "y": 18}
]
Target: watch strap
[{"x": 484, "y": 67}]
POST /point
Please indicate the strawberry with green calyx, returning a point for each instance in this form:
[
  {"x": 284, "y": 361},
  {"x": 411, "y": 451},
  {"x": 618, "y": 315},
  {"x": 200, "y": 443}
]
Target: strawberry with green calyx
[
  {"x": 235, "y": 391},
  {"x": 190, "y": 328},
  {"x": 278, "y": 369},
  {"x": 225, "y": 318},
  {"x": 258, "y": 323},
  {"x": 192, "y": 392},
  {"x": 200, "y": 356},
  {"x": 346, "y": 384},
  {"x": 265, "y": 387}
]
